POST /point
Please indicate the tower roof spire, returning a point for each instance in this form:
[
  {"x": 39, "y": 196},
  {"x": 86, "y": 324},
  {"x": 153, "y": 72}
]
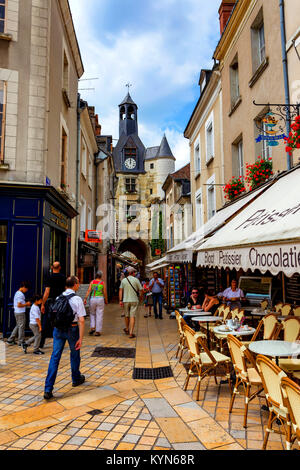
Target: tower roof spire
[{"x": 164, "y": 149}]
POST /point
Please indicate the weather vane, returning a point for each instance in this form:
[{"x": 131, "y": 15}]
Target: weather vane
[{"x": 128, "y": 86}]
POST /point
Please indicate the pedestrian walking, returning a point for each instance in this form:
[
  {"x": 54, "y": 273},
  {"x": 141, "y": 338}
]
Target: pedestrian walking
[
  {"x": 130, "y": 293},
  {"x": 98, "y": 298},
  {"x": 148, "y": 302},
  {"x": 68, "y": 312},
  {"x": 54, "y": 286},
  {"x": 156, "y": 286},
  {"x": 20, "y": 305},
  {"x": 35, "y": 325}
]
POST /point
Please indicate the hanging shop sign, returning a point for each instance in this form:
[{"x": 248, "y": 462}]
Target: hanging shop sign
[{"x": 270, "y": 127}]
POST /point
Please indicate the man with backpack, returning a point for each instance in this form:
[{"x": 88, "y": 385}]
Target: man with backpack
[
  {"x": 130, "y": 293},
  {"x": 68, "y": 314}
]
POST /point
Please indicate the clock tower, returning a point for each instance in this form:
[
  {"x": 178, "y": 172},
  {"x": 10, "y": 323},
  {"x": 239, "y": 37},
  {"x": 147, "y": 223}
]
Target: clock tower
[{"x": 129, "y": 154}]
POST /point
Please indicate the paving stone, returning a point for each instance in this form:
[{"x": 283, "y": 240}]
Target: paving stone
[
  {"x": 131, "y": 438},
  {"x": 145, "y": 416},
  {"x": 162, "y": 442},
  {"x": 77, "y": 440},
  {"x": 159, "y": 408},
  {"x": 189, "y": 446},
  {"x": 106, "y": 426}
]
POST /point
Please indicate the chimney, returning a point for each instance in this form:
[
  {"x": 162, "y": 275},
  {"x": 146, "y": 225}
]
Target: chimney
[{"x": 225, "y": 12}]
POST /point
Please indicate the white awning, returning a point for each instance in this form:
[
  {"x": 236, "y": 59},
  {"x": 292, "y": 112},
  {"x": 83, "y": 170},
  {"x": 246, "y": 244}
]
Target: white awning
[
  {"x": 156, "y": 263},
  {"x": 264, "y": 236},
  {"x": 183, "y": 252},
  {"x": 159, "y": 266}
]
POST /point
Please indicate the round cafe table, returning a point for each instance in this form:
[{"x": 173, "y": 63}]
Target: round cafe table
[
  {"x": 275, "y": 348},
  {"x": 207, "y": 319},
  {"x": 244, "y": 332}
]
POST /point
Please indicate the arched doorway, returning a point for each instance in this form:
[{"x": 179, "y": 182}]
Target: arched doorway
[{"x": 138, "y": 248}]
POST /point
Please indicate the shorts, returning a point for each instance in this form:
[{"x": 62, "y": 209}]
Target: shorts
[{"x": 130, "y": 309}]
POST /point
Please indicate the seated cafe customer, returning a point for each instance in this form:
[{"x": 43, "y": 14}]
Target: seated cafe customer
[
  {"x": 194, "y": 301},
  {"x": 232, "y": 296},
  {"x": 211, "y": 303}
]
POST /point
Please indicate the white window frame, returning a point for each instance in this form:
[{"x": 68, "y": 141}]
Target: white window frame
[
  {"x": 211, "y": 185},
  {"x": 197, "y": 157},
  {"x": 199, "y": 214},
  {"x": 240, "y": 161},
  {"x": 261, "y": 43},
  {"x": 90, "y": 175},
  {"x": 82, "y": 214},
  {"x": 84, "y": 155},
  {"x": 210, "y": 124},
  {"x": 89, "y": 218}
]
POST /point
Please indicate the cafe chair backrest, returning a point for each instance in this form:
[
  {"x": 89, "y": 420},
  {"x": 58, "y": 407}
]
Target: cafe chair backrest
[
  {"x": 286, "y": 310},
  {"x": 220, "y": 310},
  {"x": 296, "y": 311},
  {"x": 195, "y": 345},
  {"x": 226, "y": 313},
  {"x": 178, "y": 319},
  {"x": 234, "y": 313},
  {"x": 271, "y": 376},
  {"x": 292, "y": 394},
  {"x": 240, "y": 356},
  {"x": 270, "y": 326},
  {"x": 264, "y": 304},
  {"x": 291, "y": 329},
  {"x": 278, "y": 307}
]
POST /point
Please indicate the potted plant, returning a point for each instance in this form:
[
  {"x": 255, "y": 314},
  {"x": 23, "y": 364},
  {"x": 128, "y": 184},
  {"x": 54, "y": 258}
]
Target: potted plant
[
  {"x": 259, "y": 171},
  {"x": 234, "y": 188},
  {"x": 293, "y": 141}
]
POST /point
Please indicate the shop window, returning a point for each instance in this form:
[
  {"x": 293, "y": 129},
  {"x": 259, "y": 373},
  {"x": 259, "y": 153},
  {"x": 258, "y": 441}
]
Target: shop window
[
  {"x": 130, "y": 185},
  {"x": 2, "y": 15},
  {"x": 258, "y": 41},
  {"x": 238, "y": 158},
  {"x": 63, "y": 162},
  {"x": 2, "y": 118},
  {"x": 58, "y": 248},
  {"x": 234, "y": 82}
]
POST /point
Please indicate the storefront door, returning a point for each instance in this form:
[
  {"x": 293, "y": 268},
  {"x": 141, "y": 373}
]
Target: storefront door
[
  {"x": 3, "y": 244},
  {"x": 58, "y": 249}
]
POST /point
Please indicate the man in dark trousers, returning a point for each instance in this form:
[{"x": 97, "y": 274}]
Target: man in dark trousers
[{"x": 55, "y": 285}]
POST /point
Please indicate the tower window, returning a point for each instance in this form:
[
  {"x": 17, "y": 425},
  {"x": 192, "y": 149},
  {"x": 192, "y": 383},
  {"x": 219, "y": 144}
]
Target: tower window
[
  {"x": 130, "y": 153},
  {"x": 151, "y": 166},
  {"x": 130, "y": 113},
  {"x": 130, "y": 185},
  {"x": 122, "y": 113}
]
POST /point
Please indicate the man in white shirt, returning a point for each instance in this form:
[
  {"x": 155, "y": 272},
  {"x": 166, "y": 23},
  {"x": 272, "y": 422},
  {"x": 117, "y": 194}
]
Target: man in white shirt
[
  {"x": 74, "y": 335},
  {"x": 233, "y": 296},
  {"x": 20, "y": 305}
]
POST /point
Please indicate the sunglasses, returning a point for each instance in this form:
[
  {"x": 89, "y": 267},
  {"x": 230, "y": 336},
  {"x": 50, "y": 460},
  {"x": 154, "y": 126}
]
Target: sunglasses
[{"x": 194, "y": 292}]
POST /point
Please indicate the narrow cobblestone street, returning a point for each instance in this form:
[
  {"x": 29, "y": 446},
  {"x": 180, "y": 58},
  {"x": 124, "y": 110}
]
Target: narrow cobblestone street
[{"x": 136, "y": 414}]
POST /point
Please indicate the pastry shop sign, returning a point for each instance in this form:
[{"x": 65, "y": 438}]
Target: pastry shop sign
[{"x": 273, "y": 258}]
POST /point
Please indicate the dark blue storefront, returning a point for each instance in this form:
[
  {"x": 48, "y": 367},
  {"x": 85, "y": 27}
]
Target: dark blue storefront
[{"x": 35, "y": 230}]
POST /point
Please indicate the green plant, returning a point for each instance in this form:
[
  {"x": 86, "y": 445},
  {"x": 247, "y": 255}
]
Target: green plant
[
  {"x": 259, "y": 171},
  {"x": 234, "y": 188},
  {"x": 293, "y": 141}
]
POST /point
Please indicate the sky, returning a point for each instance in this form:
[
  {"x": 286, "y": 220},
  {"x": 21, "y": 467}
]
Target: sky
[{"x": 158, "y": 46}]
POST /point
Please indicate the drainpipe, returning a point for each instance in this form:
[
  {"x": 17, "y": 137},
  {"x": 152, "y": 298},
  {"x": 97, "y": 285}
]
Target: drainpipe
[
  {"x": 77, "y": 182},
  {"x": 285, "y": 75}
]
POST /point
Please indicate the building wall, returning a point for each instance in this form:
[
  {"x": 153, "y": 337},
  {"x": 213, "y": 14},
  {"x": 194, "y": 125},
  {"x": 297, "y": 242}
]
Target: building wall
[
  {"x": 267, "y": 89},
  {"x": 211, "y": 107}
]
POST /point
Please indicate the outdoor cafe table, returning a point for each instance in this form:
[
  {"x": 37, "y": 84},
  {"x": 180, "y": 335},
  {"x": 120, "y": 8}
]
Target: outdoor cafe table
[
  {"x": 207, "y": 319},
  {"x": 243, "y": 332},
  {"x": 186, "y": 311},
  {"x": 275, "y": 348}
]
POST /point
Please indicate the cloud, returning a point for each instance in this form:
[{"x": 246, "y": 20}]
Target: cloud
[{"x": 157, "y": 45}]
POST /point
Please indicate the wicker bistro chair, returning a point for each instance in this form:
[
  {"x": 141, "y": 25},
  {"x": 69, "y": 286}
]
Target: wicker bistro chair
[
  {"x": 238, "y": 313},
  {"x": 182, "y": 343},
  {"x": 271, "y": 376},
  {"x": 291, "y": 332},
  {"x": 246, "y": 375},
  {"x": 203, "y": 363},
  {"x": 296, "y": 311},
  {"x": 286, "y": 310},
  {"x": 264, "y": 304},
  {"x": 269, "y": 324},
  {"x": 278, "y": 307},
  {"x": 291, "y": 392}
]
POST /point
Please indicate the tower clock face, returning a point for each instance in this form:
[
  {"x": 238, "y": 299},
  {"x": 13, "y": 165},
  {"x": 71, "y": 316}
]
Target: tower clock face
[{"x": 130, "y": 163}]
